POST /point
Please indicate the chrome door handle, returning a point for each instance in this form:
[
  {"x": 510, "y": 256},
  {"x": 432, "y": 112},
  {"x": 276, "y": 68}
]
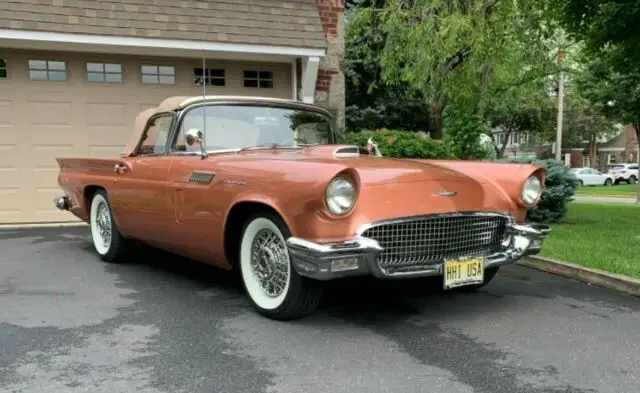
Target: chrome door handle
[{"x": 120, "y": 168}]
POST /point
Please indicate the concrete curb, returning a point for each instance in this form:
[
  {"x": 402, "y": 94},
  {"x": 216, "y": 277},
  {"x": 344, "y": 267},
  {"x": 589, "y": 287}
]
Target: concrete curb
[
  {"x": 44, "y": 225},
  {"x": 601, "y": 278}
]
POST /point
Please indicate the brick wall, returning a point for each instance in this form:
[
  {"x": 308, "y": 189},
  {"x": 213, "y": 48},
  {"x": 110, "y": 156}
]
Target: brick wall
[{"x": 330, "y": 82}]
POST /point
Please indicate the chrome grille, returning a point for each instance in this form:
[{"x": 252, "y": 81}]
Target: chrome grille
[{"x": 428, "y": 240}]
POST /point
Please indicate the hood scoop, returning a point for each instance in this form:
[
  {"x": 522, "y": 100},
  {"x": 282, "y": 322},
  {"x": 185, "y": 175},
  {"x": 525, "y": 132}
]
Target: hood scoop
[{"x": 347, "y": 152}]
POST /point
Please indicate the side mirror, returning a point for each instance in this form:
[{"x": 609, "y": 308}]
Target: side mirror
[
  {"x": 372, "y": 148},
  {"x": 192, "y": 136}
]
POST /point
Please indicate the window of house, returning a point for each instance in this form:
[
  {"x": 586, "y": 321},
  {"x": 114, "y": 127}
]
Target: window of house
[
  {"x": 208, "y": 77},
  {"x": 155, "y": 136},
  {"x": 259, "y": 79},
  {"x": 47, "y": 70},
  {"x": 611, "y": 159},
  {"x": 158, "y": 75},
  {"x": 104, "y": 72},
  {"x": 3, "y": 68},
  {"x": 585, "y": 161}
]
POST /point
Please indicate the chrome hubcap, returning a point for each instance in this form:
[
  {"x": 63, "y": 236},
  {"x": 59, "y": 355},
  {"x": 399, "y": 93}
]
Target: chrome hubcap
[
  {"x": 103, "y": 224},
  {"x": 270, "y": 262}
]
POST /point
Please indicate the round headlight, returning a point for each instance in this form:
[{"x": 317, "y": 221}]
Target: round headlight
[
  {"x": 531, "y": 190},
  {"x": 340, "y": 195}
]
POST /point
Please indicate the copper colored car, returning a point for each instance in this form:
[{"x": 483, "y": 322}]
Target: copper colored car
[{"x": 265, "y": 185}]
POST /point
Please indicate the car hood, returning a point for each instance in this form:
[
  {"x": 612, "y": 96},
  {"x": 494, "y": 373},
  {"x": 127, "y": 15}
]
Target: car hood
[{"x": 371, "y": 170}]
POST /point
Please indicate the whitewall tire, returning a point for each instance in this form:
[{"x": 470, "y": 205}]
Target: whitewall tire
[
  {"x": 272, "y": 284},
  {"x": 107, "y": 240}
]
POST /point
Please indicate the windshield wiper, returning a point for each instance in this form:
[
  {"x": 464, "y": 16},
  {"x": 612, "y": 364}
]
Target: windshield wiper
[{"x": 269, "y": 145}]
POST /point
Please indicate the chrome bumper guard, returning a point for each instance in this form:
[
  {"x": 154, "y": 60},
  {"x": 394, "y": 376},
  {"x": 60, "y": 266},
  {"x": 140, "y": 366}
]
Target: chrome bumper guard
[{"x": 358, "y": 257}]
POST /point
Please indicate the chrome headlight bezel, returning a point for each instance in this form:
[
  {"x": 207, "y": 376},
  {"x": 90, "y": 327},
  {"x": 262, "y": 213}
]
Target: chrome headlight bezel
[
  {"x": 340, "y": 195},
  {"x": 531, "y": 190}
]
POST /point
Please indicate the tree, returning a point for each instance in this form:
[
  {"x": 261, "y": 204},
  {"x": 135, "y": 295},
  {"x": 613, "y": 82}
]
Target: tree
[
  {"x": 602, "y": 25},
  {"x": 609, "y": 30},
  {"x": 447, "y": 50},
  {"x": 617, "y": 93},
  {"x": 369, "y": 103}
]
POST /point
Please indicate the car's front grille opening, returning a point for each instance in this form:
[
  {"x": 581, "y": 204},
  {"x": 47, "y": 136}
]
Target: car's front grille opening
[{"x": 428, "y": 240}]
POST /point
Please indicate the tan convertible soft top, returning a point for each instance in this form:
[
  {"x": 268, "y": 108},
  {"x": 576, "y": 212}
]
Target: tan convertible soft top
[{"x": 178, "y": 102}]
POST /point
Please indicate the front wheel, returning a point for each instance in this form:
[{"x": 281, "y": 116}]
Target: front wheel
[
  {"x": 608, "y": 182},
  {"x": 275, "y": 289}
]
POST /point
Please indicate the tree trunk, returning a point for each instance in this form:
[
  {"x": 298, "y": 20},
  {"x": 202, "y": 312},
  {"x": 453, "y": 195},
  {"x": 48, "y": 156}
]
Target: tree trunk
[
  {"x": 503, "y": 147},
  {"x": 435, "y": 120},
  {"x": 636, "y": 126},
  {"x": 592, "y": 151}
]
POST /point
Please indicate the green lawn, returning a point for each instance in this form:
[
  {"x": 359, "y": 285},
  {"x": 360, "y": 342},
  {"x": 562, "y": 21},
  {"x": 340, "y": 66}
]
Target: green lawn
[
  {"x": 621, "y": 190},
  {"x": 599, "y": 235}
]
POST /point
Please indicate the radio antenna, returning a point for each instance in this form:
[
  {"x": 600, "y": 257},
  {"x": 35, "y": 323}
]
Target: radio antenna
[{"x": 203, "y": 149}]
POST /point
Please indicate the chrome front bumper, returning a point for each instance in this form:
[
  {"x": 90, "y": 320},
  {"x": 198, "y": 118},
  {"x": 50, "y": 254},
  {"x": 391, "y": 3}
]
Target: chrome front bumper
[{"x": 358, "y": 257}]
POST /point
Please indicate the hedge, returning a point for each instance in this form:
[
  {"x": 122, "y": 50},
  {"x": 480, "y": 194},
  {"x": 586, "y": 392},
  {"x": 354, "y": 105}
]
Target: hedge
[{"x": 400, "y": 143}]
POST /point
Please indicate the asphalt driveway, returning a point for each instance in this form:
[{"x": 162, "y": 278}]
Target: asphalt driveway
[{"x": 70, "y": 323}]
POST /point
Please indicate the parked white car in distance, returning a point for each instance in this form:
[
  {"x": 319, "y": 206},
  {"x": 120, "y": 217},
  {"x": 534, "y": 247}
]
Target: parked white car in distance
[
  {"x": 592, "y": 177},
  {"x": 624, "y": 172}
]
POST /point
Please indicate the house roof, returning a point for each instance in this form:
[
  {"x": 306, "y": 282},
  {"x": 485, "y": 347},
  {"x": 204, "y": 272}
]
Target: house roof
[{"x": 294, "y": 23}]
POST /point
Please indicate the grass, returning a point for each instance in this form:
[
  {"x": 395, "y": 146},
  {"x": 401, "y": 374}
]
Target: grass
[
  {"x": 604, "y": 236},
  {"x": 621, "y": 190}
]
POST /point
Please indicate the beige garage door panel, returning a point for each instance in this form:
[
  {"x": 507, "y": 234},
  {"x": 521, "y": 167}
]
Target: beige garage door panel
[{"x": 42, "y": 120}]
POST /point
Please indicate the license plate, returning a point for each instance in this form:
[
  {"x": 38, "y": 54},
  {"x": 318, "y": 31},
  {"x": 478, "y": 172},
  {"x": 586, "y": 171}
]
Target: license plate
[{"x": 460, "y": 272}]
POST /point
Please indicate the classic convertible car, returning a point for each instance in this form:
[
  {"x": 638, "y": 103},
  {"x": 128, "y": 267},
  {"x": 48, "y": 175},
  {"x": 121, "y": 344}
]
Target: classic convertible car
[{"x": 265, "y": 186}]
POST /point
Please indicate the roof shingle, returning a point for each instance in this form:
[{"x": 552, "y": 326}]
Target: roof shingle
[{"x": 264, "y": 22}]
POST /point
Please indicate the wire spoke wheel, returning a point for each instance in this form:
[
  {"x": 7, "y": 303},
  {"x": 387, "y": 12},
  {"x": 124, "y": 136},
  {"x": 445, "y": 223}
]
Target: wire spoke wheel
[{"x": 270, "y": 262}]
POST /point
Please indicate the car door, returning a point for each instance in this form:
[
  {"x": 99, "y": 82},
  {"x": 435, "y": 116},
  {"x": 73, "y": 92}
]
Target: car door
[
  {"x": 594, "y": 177},
  {"x": 196, "y": 208},
  {"x": 598, "y": 177},
  {"x": 140, "y": 192},
  {"x": 583, "y": 175}
]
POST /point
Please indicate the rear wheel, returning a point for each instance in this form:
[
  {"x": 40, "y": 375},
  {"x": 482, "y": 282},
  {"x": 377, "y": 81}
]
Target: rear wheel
[
  {"x": 107, "y": 240},
  {"x": 275, "y": 289},
  {"x": 489, "y": 275},
  {"x": 632, "y": 180},
  {"x": 581, "y": 183}
]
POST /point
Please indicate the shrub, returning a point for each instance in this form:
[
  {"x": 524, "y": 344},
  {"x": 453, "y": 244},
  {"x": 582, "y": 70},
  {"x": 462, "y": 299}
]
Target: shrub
[
  {"x": 559, "y": 189},
  {"x": 466, "y": 135},
  {"x": 400, "y": 144}
]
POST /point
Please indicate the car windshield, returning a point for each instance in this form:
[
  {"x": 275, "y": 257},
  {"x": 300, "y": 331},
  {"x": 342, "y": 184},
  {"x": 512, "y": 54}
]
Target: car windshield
[
  {"x": 617, "y": 167},
  {"x": 229, "y": 127}
]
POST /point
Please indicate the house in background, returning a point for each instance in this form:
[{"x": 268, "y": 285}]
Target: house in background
[
  {"x": 74, "y": 74},
  {"x": 515, "y": 143},
  {"x": 622, "y": 148}
]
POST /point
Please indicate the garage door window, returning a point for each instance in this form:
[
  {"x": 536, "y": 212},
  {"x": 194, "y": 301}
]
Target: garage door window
[
  {"x": 208, "y": 77},
  {"x": 104, "y": 72},
  {"x": 158, "y": 75},
  {"x": 259, "y": 79},
  {"x": 3, "y": 68},
  {"x": 47, "y": 70}
]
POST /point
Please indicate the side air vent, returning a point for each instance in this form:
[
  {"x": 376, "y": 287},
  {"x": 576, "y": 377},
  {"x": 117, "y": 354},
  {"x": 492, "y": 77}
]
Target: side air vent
[
  {"x": 347, "y": 151},
  {"x": 201, "y": 177}
]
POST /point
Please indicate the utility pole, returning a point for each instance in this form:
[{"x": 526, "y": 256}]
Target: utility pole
[{"x": 561, "y": 54}]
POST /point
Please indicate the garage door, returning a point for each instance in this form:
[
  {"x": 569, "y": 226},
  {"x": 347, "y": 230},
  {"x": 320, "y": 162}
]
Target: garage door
[{"x": 58, "y": 104}]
